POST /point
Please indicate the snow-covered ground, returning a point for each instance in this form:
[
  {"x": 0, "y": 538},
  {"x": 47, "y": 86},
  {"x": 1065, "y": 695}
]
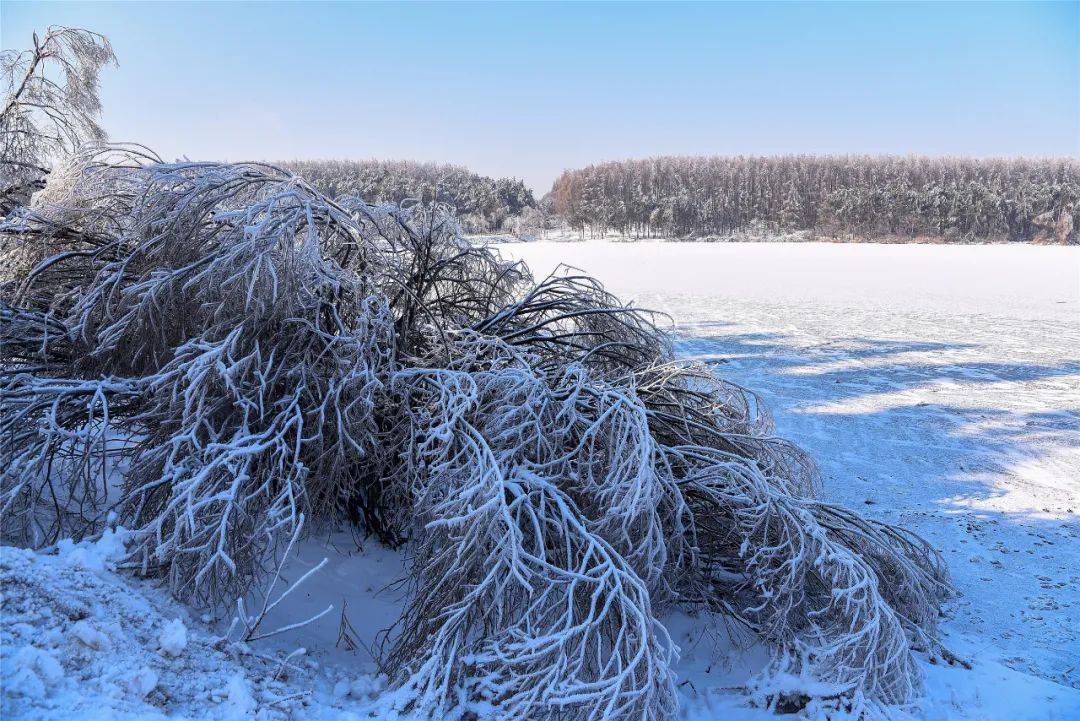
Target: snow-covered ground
[{"x": 937, "y": 386}]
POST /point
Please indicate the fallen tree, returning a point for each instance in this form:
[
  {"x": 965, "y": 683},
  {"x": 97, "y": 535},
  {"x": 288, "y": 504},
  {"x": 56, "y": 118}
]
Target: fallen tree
[{"x": 207, "y": 353}]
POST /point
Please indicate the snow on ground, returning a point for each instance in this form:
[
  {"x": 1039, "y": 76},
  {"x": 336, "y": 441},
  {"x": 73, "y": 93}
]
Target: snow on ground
[
  {"x": 79, "y": 641},
  {"x": 937, "y": 386}
]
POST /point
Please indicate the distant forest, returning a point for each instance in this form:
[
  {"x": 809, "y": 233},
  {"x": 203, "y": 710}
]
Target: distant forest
[
  {"x": 482, "y": 204},
  {"x": 852, "y": 197},
  {"x": 858, "y": 197}
]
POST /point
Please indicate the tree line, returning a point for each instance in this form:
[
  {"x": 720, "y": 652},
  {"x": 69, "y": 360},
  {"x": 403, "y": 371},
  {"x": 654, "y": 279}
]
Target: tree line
[
  {"x": 859, "y": 196},
  {"x": 482, "y": 204}
]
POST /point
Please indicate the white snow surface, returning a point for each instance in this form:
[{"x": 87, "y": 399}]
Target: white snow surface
[
  {"x": 91, "y": 644},
  {"x": 937, "y": 386}
]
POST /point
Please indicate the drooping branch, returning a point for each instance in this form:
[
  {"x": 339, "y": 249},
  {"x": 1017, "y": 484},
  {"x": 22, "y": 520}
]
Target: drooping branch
[{"x": 215, "y": 351}]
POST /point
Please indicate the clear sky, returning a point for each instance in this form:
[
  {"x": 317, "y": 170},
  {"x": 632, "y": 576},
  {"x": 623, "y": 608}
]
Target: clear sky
[{"x": 528, "y": 89}]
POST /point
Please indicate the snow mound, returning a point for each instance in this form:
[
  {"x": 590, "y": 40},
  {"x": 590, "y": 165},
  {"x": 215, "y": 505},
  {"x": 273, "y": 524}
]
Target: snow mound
[
  {"x": 100, "y": 555},
  {"x": 79, "y": 641},
  {"x": 173, "y": 638}
]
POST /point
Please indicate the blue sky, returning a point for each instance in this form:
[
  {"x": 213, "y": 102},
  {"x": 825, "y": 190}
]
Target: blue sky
[{"x": 529, "y": 89}]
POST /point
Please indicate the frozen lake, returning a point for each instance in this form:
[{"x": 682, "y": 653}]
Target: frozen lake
[
  {"x": 1024, "y": 282},
  {"x": 938, "y": 387}
]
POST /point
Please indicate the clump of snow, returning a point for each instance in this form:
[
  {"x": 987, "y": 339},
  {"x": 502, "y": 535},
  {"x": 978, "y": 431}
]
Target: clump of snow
[
  {"x": 361, "y": 688},
  {"x": 142, "y": 682},
  {"x": 366, "y": 686},
  {"x": 90, "y": 636},
  {"x": 32, "y": 672},
  {"x": 99, "y": 555},
  {"x": 239, "y": 701},
  {"x": 173, "y": 638}
]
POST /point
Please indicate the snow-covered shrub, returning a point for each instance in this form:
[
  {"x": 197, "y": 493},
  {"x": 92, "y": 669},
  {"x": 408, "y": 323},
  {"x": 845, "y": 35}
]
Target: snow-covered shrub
[{"x": 216, "y": 352}]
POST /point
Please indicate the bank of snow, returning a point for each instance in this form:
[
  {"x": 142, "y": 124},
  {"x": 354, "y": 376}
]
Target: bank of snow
[{"x": 80, "y": 641}]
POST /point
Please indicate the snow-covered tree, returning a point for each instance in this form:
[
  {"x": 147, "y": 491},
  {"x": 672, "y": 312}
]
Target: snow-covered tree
[
  {"x": 50, "y": 106},
  {"x": 483, "y": 204},
  {"x": 864, "y": 196}
]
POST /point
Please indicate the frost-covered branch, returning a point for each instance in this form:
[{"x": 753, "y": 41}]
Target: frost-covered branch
[{"x": 50, "y": 105}]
